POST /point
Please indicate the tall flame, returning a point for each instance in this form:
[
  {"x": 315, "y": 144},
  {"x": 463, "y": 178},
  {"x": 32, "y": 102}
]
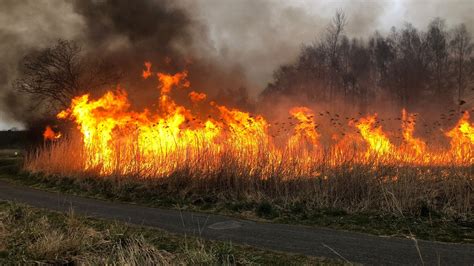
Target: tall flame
[
  {"x": 379, "y": 144},
  {"x": 116, "y": 139},
  {"x": 462, "y": 139},
  {"x": 305, "y": 131},
  {"x": 412, "y": 144}
]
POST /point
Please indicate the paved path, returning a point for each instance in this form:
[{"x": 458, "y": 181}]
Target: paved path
[{"x": 354, "y": 247}]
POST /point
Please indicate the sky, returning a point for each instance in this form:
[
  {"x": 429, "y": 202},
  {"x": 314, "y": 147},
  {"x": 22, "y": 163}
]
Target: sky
[{"x": 257, "y": 35}]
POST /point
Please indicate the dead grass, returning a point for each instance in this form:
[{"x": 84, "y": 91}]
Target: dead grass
[
  {"x": 383, "y": 186},
  {"x": 434, "y": 202},
  {"x": 33, "y": 236}
]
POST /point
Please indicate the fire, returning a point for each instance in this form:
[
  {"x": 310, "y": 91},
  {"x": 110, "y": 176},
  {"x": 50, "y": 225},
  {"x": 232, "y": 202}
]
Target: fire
[
  {"x": 147, "y": 72},
  {"x": 197, "y": 96},
  {"x": 246, "y": 133},
  {"x": 168, "y": 81},
  {"x": 378, "y": 142},
  {"x": 412, "y": 144},
  {"x": 49, "y": 134},
  {"x": 305, "y": 130},
  {"x": 462, "y": 139},
  {"x": 155, "y": 142},
  {"x": 108, "y": 121}
]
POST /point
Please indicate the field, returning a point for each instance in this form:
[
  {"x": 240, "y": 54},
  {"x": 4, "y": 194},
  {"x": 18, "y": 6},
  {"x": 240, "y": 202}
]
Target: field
[
  {"x": 35, "y": 236},
  {"x": 351, "y": 173},
  {"x": 266, "y": 123},
  {"x": 356, "y": 200},
  {"x": 235, "y": 157}
]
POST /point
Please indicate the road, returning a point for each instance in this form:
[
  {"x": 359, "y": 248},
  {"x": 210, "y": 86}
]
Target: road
[{"x": 350, "y": 246}]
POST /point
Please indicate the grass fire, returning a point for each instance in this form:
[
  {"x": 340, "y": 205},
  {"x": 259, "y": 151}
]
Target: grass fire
[
  {"x": 237, "y": 152},
  {"x": 237, "y": 127},
  {"x": 114, "y": 140}
]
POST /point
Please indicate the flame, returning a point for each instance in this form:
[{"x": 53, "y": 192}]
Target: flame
[
  {"x": 462, "y": 139},
  {"x": 49, "y": 134},
  {"x": 305, "y": 130},
  {"x": 197, "y": 96},
  {"x": 379, "y": 144},
  {"x": 147, "y": 72},
  {"x": 413, "y": 145},
  {"x": 168, "y": 81},
  {"x": 245, "y": 132},
  {"x": 155, "y": 142}
]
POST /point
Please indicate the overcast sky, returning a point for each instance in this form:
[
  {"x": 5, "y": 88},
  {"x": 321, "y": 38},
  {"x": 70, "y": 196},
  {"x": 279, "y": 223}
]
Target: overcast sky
[{"x": 256, "y": 34}]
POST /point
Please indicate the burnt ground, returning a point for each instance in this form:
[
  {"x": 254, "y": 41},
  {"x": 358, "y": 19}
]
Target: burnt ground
[{"x": 313, "y": 241}]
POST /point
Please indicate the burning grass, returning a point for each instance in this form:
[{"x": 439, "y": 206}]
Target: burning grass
[
  {"x": 263, "y": 201},
  {"x": 352, "y": 187},
  {"x": 232, "y": 154}
]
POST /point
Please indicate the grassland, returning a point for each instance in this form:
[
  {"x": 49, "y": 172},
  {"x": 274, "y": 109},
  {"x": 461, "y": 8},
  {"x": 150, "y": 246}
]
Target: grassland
[{"x": 425, "y": 220}]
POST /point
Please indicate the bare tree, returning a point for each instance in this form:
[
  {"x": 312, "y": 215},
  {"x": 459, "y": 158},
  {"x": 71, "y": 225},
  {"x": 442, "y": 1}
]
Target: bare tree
[
  {"x": 55, "y": 75},
  {"x": 334, "y": 35},
  {"x": 407, "y": 73},
  {"x": 409, "y": 67},
  {"x": 437, "y": 51},
  {"x": 462, "y": 48}
]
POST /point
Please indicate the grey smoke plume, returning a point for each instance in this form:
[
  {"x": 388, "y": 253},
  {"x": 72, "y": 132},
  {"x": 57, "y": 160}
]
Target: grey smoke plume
[
  {"x": 231, "y": 43},
  {"x": 26, "y": 26}
]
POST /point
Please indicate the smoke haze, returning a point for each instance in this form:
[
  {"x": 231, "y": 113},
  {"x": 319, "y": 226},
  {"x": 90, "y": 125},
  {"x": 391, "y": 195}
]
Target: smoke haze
[{"x": 231, "y": 43}]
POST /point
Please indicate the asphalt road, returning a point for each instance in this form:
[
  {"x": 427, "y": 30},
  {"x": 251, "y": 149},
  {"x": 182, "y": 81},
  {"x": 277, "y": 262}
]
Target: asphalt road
[{"x": 350, "y": 246}]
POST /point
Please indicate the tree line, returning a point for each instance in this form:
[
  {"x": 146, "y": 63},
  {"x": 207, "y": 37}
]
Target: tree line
[{"x": 408, "y": 67}]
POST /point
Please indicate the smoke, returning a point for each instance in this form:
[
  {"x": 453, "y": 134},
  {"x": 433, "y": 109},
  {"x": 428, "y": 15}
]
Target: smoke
[
  {"x": 260, "y": 35},
  {"x": 224, "y": 44},
  {"x": 144, "y": 28},
  {"x": 26, "y": 26},
  {"x": 420, "y": 13}
]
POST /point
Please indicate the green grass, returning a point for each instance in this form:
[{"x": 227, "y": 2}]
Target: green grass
[
  {"x": 427, "y": 224},
  {"x": 35, "y": 236}
]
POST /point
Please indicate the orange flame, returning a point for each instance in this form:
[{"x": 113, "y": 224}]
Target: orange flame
[
  {"x": 116, "y": 139},
  {"x": 462, "y": 139},
  {"x": 305, "y": 130},
  {"x": 415, "y": 145},
  {"x": 147, "y": 72},
  {"x": 197, "y": 96},
  {"x": 49, "y": 134},
  {"x": 379, "y": 144},
  {"x": 168, "y": 81}
]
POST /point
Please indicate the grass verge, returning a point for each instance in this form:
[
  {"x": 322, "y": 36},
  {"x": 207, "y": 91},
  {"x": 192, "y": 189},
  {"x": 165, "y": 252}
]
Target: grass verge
[
  {"x": 35, "y": 236},
  {"x": 428, "y": 224}
]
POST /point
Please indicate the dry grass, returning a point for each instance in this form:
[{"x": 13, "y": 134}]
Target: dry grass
[
  {"x": 350, "y": 185},
  {"x": 30, "y": 236},
  {"x": 33, "y": 236}
]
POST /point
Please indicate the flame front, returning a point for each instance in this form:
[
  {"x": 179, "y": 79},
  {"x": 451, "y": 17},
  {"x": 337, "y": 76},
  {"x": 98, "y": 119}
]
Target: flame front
[
  {"x": 154, "y": 143},
  {"x": 413, "y": 146},
  {"x": 305, "y": 131},
  {"x": 379, "y": 143},
  {"x": 462, "y": 139}
]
